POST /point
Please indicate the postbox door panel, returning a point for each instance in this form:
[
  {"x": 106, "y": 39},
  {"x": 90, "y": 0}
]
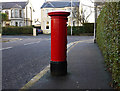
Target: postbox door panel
[{"x": 58, "y": 39}]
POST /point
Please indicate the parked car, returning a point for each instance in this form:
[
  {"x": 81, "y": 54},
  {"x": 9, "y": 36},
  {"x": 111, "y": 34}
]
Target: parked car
[{"x": 39, "y": 31}]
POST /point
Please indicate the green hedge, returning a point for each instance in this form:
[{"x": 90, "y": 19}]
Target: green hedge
[
  {"x": 88, "y": 27},
  {"x": 17, "y": 30},
  {"x": 77, "y": 30},
  {"x": 108, "y": 39}
]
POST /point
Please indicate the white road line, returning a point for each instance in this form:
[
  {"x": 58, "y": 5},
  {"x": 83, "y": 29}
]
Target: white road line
[
  {"x": 21, "y": 39},
  {"x": 48, "y": 39},
  {"x": 6, "y": 48},
  {"x": 69, "y": 45},
  {"x": 36, "y": 78},
  {"x": 10, "y": 42},
  {"x": 14, "y": 41},
  {"x": 32, "y": 43}
]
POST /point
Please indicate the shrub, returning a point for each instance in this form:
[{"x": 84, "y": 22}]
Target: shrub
[
  {"x": 77, "y": 30},
  {"x": 88, "y": 27},
  {"x": 17, "y": 30},
  {"x": 108, "y": 38}
]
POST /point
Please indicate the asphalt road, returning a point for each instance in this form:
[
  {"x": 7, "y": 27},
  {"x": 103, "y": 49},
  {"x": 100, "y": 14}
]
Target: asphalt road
[{"x": 22, "y": 59}]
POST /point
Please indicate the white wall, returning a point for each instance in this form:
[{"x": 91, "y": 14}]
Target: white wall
[
  {"x": 29, "y": 14},
  {"x": 45, "y": 17},
  {"x": 0, "y": 7},
  {"x": 64, "y": 0}
]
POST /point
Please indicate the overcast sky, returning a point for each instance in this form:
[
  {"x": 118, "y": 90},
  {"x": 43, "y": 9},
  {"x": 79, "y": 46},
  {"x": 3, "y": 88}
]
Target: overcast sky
[{"x": 38, "y": 3}]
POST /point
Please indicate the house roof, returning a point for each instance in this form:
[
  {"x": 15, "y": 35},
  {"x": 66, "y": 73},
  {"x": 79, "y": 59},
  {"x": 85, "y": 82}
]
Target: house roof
[
  {"x": 17, "y": 6},
  {"x": 53, "y": 4},
  {"x": 8, "y": 5}
]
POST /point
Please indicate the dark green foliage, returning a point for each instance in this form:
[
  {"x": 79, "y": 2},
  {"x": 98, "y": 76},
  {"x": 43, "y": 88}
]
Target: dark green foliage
[
  {"x": 88, "y": 27},
  {"x": 0, "y": 22},
  {"x": 4, "y": 16},
  {"x": 108, "y": 38},
  {"x": 17, "y": 30},
  {"x": 78, "y": 30}
]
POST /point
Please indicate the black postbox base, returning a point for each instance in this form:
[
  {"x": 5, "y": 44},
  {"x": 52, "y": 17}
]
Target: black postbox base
[{"x": 58, "y": 68}]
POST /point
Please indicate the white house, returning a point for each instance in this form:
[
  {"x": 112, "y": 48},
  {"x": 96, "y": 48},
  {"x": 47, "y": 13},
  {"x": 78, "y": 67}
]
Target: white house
[
  {"x": 0, "y": 6},
  {"x": 19, "y": 13},
  {"x": 51, "y": 6},
  {"x": 0, "y": 11}
]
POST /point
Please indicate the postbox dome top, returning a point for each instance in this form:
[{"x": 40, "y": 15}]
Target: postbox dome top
[{"x": 59, "y": 13}]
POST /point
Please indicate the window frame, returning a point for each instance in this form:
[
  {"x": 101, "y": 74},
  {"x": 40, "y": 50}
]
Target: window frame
[{"x": 16, "y": 13}]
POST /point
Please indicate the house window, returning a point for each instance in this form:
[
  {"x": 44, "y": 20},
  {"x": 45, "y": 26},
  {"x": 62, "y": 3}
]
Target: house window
[
  {"x": 7, "y": 24},
  {"x": 7, "y": 12},
  {"x": 20, "y": 24},
  {"x": 47, "y": 22},
  {"x": 46, "y": 11},
  {"x": 20, "y": 13},
  {"x": 47, "y": 27},
  {"x": 16, "y": 13},
  {"x": 11, "y": 23},
  {"x": 16, "y": 23},
  {"x": 12, "y": 13}
]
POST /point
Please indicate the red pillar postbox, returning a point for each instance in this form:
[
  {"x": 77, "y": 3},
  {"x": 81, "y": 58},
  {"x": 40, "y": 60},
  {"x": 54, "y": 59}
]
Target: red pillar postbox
[{"x": 58, "y": 64}]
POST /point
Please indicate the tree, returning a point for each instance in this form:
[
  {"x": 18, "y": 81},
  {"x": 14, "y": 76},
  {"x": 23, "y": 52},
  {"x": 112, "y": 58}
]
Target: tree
[
  {"x": 76, "y": 14},
  {"x": 4, "y": 16},
  {"x": 80, "y": 18},
  {"x": 0, "y": 18}
]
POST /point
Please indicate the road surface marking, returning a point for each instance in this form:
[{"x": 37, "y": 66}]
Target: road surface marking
[
  {"x": 39, "y": 75},
  {"x": 48, "y": 39},
  {"x": 32, "y": 43},
  {"x": 45, "y": 70},
  {"x": 12, "y": 41},
  {"x": 69, "y": 45},
  {"x": 21, "y": 39},
  {"x": 36, "y": 78},
  {"x": 73, "y": 44},
  {"x": 5, "y": 48}
]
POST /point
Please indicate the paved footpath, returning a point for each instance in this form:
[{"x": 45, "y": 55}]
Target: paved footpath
[{"x": 86, "y": 70}]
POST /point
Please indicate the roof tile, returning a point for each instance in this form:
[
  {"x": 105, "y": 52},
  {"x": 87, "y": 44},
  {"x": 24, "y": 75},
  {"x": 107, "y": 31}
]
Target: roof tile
[
  {"x": 8, "y": 5},
  {"x": 59, "y": 4}
]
